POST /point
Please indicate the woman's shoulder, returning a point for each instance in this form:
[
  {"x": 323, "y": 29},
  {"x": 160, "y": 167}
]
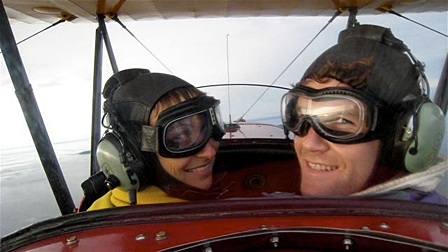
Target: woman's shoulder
[{"x": 155, "y": 195}]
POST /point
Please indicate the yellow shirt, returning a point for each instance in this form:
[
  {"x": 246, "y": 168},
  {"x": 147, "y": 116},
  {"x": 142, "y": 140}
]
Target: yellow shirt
[{"x": 119, "y": 198}]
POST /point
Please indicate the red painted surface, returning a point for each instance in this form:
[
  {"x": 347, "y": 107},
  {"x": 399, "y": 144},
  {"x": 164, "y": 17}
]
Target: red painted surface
[
  {"x": 298, "y": 223},
  {"x": 125, "y": 238}
]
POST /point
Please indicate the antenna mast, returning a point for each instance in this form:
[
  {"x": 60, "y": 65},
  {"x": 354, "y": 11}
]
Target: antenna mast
[{"x": 228, "y": 77}]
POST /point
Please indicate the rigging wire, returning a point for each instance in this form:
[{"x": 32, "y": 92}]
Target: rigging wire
[
  {"x": 115, "y": 18},
  {"x": 48, "y": 27},
  {"x": 336, "y": 14},
  {"x": 228, "y": 77},
  {"x": 413, "y": 21},
  {"x": 52, "y": 25}
]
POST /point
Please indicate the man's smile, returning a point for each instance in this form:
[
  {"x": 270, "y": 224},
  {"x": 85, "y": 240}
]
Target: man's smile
[{"x": 321, "y": 167}]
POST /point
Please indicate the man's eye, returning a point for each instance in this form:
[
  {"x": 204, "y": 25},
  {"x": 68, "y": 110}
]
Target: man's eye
[
  {"x": 344, "y": 121},
  {"x": 337, "y": 121}
]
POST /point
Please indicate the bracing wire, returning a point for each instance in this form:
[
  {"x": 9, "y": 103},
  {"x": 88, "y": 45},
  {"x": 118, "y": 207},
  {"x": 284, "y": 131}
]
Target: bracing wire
[
  {"x": 46, "y": 28},
  {"x": 337, "y": 13},
  {"x": 413, "y": 21},
  {"x": 115, "y": 18}
]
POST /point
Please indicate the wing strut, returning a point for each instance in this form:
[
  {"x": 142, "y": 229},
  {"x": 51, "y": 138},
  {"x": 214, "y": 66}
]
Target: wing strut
[
  {"x": 352, "y": 21},
  {"x": 33, "y": 117},
  {"x": 101, "y": 35},
  {"x": 102, "y": 27},
  {"x": 96, "y": 101}
]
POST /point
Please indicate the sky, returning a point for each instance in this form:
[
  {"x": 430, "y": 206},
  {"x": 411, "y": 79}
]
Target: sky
[{"x": 59, "y": 61}]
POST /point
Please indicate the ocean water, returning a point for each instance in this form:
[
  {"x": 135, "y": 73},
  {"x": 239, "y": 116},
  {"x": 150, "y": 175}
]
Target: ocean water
[{"x": 26, "y": 195}]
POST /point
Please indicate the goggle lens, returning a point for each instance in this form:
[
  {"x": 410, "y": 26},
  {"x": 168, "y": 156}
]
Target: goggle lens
[
  {"x": 187, "y": 132},
  {"x": 336, "y": 115},
  {"x": 339, "y": 118}
]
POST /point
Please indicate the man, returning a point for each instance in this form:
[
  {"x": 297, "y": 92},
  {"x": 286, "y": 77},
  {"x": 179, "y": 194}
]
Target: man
[{"x": 363, "y": 121}]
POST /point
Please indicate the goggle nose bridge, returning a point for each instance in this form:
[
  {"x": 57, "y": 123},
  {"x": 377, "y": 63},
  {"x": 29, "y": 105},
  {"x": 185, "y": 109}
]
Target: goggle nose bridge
[{"x": 303, "y": 125}]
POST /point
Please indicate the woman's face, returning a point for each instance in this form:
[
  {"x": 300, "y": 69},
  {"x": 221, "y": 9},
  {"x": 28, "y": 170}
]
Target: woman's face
[
  {"x": 195, "y": 170},
  {"x": 328, "y": 168}
]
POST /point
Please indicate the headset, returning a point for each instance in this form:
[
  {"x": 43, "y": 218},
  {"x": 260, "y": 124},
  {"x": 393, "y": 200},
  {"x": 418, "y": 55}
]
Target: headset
[
  {"x": 118, "y": 157},
  {"x": 425, "y": 131},
  {"x": 425, "y": 128},
  {"x": 120, "y": 164},
  {"x": 421, "y": 137}
]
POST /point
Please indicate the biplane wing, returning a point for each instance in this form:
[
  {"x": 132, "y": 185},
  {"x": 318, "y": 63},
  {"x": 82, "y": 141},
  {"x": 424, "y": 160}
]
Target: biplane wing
[{"x": 31, "y": 11}]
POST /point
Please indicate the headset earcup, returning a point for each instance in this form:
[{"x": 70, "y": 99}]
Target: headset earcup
[
  {"x": 110, "y": 158},
  {"x": 429, "y": 132}
]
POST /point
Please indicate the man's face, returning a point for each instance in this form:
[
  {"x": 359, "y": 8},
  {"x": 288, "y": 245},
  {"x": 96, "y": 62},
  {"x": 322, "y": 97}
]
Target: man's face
[{"x": 328, "y": 168}]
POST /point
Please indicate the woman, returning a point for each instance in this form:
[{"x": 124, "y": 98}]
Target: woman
[{"x": 161, "y": 142}]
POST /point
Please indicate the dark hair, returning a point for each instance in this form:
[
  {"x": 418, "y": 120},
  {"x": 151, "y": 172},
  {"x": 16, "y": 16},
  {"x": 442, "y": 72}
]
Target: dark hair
[
  {"x": 355, "y": 74},
  {"x": 172, "y": 98}
]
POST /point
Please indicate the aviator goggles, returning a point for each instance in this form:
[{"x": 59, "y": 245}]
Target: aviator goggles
[
  {"x": 339, "y": 115},
  {"x": 185, "y": 128}
]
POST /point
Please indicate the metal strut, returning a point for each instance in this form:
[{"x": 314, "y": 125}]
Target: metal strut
[
  {"x": 352, "y": 21},
  {"x": 33, "y": 117},
  {"x": 110, "y": 52},
  {"x": 96, "y": 101},
  {"x": 101, "y": 35}
]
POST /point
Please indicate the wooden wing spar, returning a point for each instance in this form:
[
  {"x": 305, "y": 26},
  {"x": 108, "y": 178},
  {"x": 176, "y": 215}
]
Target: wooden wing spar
[{"x": 35, "y": 11}]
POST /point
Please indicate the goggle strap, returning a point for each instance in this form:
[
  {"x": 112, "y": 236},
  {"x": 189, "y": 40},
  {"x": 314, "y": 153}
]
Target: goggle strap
[
  {"x": 211, "y": 111},
  {"x": 149, "y": 141},
  {"x": 374, "y": 119}
]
